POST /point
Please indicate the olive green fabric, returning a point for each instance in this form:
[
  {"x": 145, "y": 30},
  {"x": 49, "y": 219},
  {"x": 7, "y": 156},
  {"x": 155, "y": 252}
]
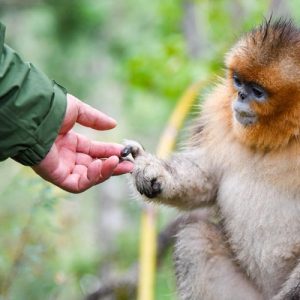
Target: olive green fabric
[{"x": 32, "y": 108}]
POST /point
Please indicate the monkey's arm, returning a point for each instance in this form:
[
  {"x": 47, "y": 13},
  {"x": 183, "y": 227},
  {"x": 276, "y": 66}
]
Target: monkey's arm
[{"x": 184, "y": 180}]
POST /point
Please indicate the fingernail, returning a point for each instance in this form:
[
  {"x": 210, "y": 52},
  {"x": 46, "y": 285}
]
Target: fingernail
[
  {"x": 112, "y": 120},
  {"x": 126, "y": 151}
]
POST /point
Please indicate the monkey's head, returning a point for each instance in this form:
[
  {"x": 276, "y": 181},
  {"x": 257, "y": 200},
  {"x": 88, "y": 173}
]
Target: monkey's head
[{"x": 263, "y": 80}]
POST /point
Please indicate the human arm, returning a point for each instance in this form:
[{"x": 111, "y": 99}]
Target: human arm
[
  {"x": 36, "y": 123},
  {"x": 32, "y": 108}
]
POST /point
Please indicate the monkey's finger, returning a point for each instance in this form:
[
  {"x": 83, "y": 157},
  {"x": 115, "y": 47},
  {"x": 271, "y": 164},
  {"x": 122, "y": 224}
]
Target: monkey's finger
[
  {"x": 126, "y": 151},
  {"x": 133, "y": 148}
]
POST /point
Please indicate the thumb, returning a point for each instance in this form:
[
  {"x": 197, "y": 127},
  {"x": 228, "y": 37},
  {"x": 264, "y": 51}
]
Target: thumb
[{"x": 84, "y": 114}]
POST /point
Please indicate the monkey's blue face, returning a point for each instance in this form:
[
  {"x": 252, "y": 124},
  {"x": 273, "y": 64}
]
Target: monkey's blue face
[{"x": 247, "y": 92}]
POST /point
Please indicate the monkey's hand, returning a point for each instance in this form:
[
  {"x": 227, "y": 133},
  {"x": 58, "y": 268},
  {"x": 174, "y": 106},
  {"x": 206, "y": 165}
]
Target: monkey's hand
[
  {"x": 149, "y": 174},
  {"x": 178, "y": 181}
]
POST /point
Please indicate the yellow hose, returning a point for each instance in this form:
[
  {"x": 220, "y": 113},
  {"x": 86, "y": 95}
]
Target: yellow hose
[{"x": 147, "y": 265}]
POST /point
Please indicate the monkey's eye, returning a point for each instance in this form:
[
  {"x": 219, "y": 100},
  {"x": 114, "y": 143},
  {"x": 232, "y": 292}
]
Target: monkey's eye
[
  {"x": 258, "y": 92},
  {"x": 237, "y": 82}
]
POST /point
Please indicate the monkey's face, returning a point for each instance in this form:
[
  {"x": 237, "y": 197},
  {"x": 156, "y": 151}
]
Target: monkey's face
[
  {"x": 262, "y": 91},
  {"x": 257, "y": 84},
  {"x": 247, "y": 93},
  {"x": 263, "y": 82}
]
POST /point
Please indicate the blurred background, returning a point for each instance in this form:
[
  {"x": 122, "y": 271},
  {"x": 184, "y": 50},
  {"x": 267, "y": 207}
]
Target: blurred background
[{"x": 132, "y": 59}]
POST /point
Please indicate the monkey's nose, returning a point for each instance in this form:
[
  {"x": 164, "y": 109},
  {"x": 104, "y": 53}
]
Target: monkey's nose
[{"x": 242, "y": 95}]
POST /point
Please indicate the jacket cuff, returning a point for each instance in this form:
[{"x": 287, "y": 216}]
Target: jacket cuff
[
  {"x": 47, "y": 131},
  {"x": 2, "y": 34}
]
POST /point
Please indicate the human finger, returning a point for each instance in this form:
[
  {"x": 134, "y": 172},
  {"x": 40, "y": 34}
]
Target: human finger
[
  {"x": 77, "y": 181},
  {"x": 91, "y": 117},
  {"x": 73, "y": 183},
  {"x": 97, "y": 149},
  {"x": 83, "y": 159},
  {"x": 94, "y": 171},
  {"x": 108, "y": 167},
  {"x": 123, "y": 168}
]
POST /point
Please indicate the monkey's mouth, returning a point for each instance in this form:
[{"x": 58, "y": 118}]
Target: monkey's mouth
[{"x": 245, "y": 118}]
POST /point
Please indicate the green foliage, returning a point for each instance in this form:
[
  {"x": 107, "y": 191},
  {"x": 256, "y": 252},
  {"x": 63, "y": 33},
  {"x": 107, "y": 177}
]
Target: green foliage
[
  {"x": 28, "y": 256},
  {"x": 169, "y": 57},
  {"x": 76, "y": 18},
  {"x": 165, "y": 280}
]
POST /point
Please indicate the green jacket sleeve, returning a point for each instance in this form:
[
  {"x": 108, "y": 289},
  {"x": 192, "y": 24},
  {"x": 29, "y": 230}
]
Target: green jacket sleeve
[{"x": 32, "y": 108}]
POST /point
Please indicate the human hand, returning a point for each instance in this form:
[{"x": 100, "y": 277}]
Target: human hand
[{"x": 75, "y": 163}]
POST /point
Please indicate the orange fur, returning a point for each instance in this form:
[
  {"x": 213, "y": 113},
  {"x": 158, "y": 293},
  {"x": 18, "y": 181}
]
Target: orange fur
[{"x": 270, "y": 57}]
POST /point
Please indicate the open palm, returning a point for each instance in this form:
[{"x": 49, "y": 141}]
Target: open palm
[{"x": 75, "y": 163}]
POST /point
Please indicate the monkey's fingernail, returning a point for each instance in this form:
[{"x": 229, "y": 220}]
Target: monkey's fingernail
[{"x": 126, "y": 151}]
